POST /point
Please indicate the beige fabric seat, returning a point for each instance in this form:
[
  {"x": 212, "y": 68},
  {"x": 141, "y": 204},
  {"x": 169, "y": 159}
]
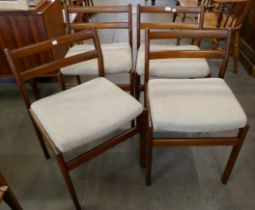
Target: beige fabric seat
[
  {"x": 84, "y": 113},
  {"x": 173, "y": 68},
  {"x": 117, "y": 59},
  {"x": 194, "y": 105}
]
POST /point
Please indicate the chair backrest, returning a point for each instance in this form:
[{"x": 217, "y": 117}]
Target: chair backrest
[
  {"x": 81, "y": 25},
  {"x": 208, "y": 4},
  {"x": 167, "y": 24},
  {"x": 232, "y": 13},
  {"x": 21, "y": 76},
  {"x": 191, "y": 34}
]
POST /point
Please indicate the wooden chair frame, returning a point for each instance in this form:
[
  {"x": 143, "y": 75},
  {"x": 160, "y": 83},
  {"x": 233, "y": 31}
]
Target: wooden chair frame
[
  {"x": 230, "y": 14},
  {"x": 142, "y": 25},
  {"x": 236, "y": 141},
  {"x": 21, "y": 77},
  {"x": 7, "y": 195},
  {"x": 104, "y": 25}
]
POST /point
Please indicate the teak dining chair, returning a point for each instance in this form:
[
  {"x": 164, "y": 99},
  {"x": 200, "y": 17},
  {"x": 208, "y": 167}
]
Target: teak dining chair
[
  {"x": 117, "y": 56},
  {"x": 192, "y": 105},
  {"x": 168, "y": 68},
  {"x": 75, "y": 117}
]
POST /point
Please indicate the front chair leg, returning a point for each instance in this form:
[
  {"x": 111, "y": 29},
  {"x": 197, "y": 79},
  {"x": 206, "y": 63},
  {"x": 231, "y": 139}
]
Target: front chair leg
[
  {"x": 148, "y": 156},
  {"x": 234, "y": 154},
  {"x": 68, "y": 180},
  {"x": 141, "y": 121}
]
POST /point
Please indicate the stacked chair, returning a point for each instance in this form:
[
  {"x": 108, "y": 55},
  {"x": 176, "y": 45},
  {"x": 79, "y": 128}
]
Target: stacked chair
[
  {"x": 170, "y": 68},
  {"x": 117, "y": 57},
  {"x": 179, "y": 93},
  {"x": 77, "y": 116}
]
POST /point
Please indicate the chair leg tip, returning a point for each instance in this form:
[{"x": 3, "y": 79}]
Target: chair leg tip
[
  {"x": 47, "y": 156},
  {"x": 148, "y": 182},
  {"x": 224, "y": 180}
]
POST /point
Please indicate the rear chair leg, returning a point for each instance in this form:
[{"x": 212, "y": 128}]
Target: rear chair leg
[
  {"x": 137, "y": 86},
  {"x": 78, "y": 78}
]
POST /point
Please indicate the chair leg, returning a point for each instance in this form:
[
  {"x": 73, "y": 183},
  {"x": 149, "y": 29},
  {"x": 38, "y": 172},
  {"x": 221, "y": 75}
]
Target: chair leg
[
  {"x": 11, "y": 200},
  {"x": 141, "y": 121},
  {"x": 183, "y": 20},
  {"x": 175, "y": 14},
  {"x": 234, "y": 154},
  {"x": 68, "y": 180},
  {"x": 137, "y": 86},
  {"x": 41, "y": 141},
  {"x": 78, "y": 78},
  {"x": 148, "y": 156},
  {"x": 61, "y": 81},
  {"x": 9, "y": 197},
  {"x": 35, "y": 89},
  {"x": 132, "y": 83},
  {"x": 235, "y": 50},
  {"x": 132, "y": 90}
]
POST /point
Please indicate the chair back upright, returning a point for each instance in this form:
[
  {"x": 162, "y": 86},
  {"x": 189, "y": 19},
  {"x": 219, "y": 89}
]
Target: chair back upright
[
  {"x": 146, "y": 24},
  {"x": 14, "y": 56},
  {"x": 222, "y": 54},
  {"x": 81, "y": 25}
]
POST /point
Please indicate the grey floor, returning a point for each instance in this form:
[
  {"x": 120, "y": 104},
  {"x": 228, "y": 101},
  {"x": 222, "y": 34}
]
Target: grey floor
[{"x": 183, "y": 178}]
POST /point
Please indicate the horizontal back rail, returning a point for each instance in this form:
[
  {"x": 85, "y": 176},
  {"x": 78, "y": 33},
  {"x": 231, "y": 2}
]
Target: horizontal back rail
[
  {"x": 82, "y": 12},
  {"x": 52, "y": 66},
  {"x": 100, "y": 25},
  {"x": 50, "y": 44},
  {"x": 223, "y": 54},
  {"x": 169, "y": 26},
  {"x": 43, "y": 69},
  {"x": 193, "y": 34},
  {"x": 187, "y": 54},
  {"x": 150, "y": 24},
  {"x": 98, "y": 9},
  {"x": 169, "y": 9}
]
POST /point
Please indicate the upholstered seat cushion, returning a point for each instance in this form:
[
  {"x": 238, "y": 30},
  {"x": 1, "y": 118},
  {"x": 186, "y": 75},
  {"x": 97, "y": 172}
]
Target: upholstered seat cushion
[
  {"x": 117, "y": 59},
  {"x": 84, "y": 113},
  {"x": 173, "y": 68},
  {"x": 194, "y": 105}
]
